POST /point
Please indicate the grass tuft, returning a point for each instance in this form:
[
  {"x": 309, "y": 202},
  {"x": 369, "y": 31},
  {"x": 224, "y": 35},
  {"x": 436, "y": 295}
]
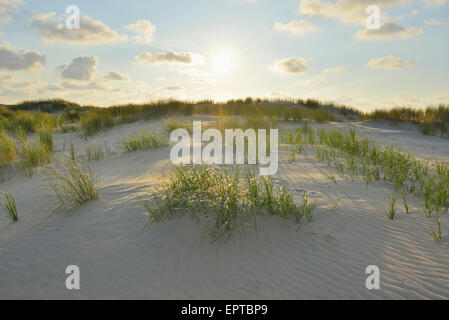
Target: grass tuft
[
  {"x": 8, "y": 149},
  {"x": 391, "y": 211},
  {"x": 226, "y": 200},
  {"x": 143, "y": 141},
  {"x": 73, "y": 183},
  {"x": 9, "y": 205}
]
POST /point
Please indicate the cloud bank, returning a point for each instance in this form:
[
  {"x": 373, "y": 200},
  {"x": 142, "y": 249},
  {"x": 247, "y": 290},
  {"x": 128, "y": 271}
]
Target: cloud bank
[
  {"x": 390, "y": 63},
  {"x": 301, "y": 27},
  {"x": 83, "y": 68},
  {"x": 13, "y": 59},
  {"x": 170, "y": 57},
  {"x": 388, "y": 30},
  {"x": 290, "y": 66},
  {"x": 52, "y": 29},
  {"x": 145, "y": 31}
]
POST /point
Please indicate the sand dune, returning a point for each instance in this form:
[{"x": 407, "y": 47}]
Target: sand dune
[{"x": 325, "y": 259}]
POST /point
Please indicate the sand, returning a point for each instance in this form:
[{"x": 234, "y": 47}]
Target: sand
[{"x": 325, "y": 259}]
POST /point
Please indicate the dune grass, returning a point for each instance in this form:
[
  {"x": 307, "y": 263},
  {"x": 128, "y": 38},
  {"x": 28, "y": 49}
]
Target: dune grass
[
  {"x": 225, "y": 200},
  {"x": 143, "y": 140},
  {"x": 404, "y": 200},
  {"x": 391, "y": 211},
  {"x": 356, "y": 155},
  {"x": 437, "y": 234},
  {"x": 93, "y": 122},
  {"x": 172, "y": 124},
  {"x": 431, "y": 120},
  {"x": 8, "y": 149},
  {"x": 29, "y": 121},
  {"x": 45, "y": 137},
  {"x": 8, "y": 203},
  {"x": 93, "y": 152},
  {"x": 319, "y": 115},
  {"x": 73, "y": 183},
  {"x": 34, "y": 154},
  {"x": 72, "y": 151}
]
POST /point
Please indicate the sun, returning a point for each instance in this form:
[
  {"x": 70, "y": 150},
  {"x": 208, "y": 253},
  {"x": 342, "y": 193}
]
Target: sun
[{"x": 222, "y": 63}]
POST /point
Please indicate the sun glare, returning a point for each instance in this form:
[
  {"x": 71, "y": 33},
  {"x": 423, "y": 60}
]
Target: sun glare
[{"x": 222, "y": 63}]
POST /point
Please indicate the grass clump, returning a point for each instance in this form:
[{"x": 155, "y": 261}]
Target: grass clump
[
  {"x": 391, "y": 211},
  {"x": 226, "y": 200},
  {"x": 8, "y": 149},
  {"x": 259, "y": 122},
  {"x": 93, "y": 152},
  {"x": 92, "y": 122},
  {"x": 9, "y": 205},
  {"x": 356, "y": 155},
  {"x": 431, "y": 120},
  {"x": 73, "y": 183},
  {"x": 28, "y": 121},
  {"x": 404, "y": 200},
  {"x": 172, "y": 125},
  {"x": 45, "y": 137},
  {"x": 34, "y": 154},
  {"x": 143, "y": 141},
  {"x": 437, "y": 234}
]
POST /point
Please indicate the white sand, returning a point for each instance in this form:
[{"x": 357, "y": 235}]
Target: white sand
[{"x": 326, "y": 258}]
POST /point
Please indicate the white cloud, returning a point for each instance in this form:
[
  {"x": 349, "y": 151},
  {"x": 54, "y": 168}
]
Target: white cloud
[
  {"x": 390, "y": 62},
  {"x": 312, "y": 80},
  {"x": 170, "y": 57},
  {"x": 290, "y": 66},
  {"x": 13, "y": 59},
  {"x": 13, "y": 88},
  {"x": 334, "y": 70},
  {"x": 300, "y": 27},
  {"x": 433, "y": 3},
  {"x": 90, "y": 86},
  {"x": 91, "y": 31},
  {"x": 173, "y": 88},
  {"x": 347, "y": 11},
  {"x": 200, "y": 76},
  {"x": 115, "y": 76},
  {"x": 388, "y": 30},
  {"x": 13, "y": 81},
  {"x": 83, "y": 68},
  {"x": 53, "y": 88},
  {"x": 7, "y": 8},
  {"x": 145, "y": 31},
  {"x": 436, "y": 23}
]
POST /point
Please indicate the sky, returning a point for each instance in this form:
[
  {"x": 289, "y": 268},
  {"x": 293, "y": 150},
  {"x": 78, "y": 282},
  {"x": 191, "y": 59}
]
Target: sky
[{"x": 143, "y": 50}]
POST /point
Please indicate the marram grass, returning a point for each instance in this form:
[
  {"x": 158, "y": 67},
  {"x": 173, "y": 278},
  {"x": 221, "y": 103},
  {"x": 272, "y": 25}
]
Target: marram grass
[
  {"x": 8, "y": 149},
  {"x": 391, "y": 210},
  {"x": 34, "y": 154},
  {"x": 8, "y": 203},
  {"x": 143, "y": 141},
  {"x": 73, "y": 183},
  {"x": 226, "y": 200}
]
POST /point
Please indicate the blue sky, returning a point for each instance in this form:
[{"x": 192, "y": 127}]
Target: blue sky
[{"x": 137, "y": 51}]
